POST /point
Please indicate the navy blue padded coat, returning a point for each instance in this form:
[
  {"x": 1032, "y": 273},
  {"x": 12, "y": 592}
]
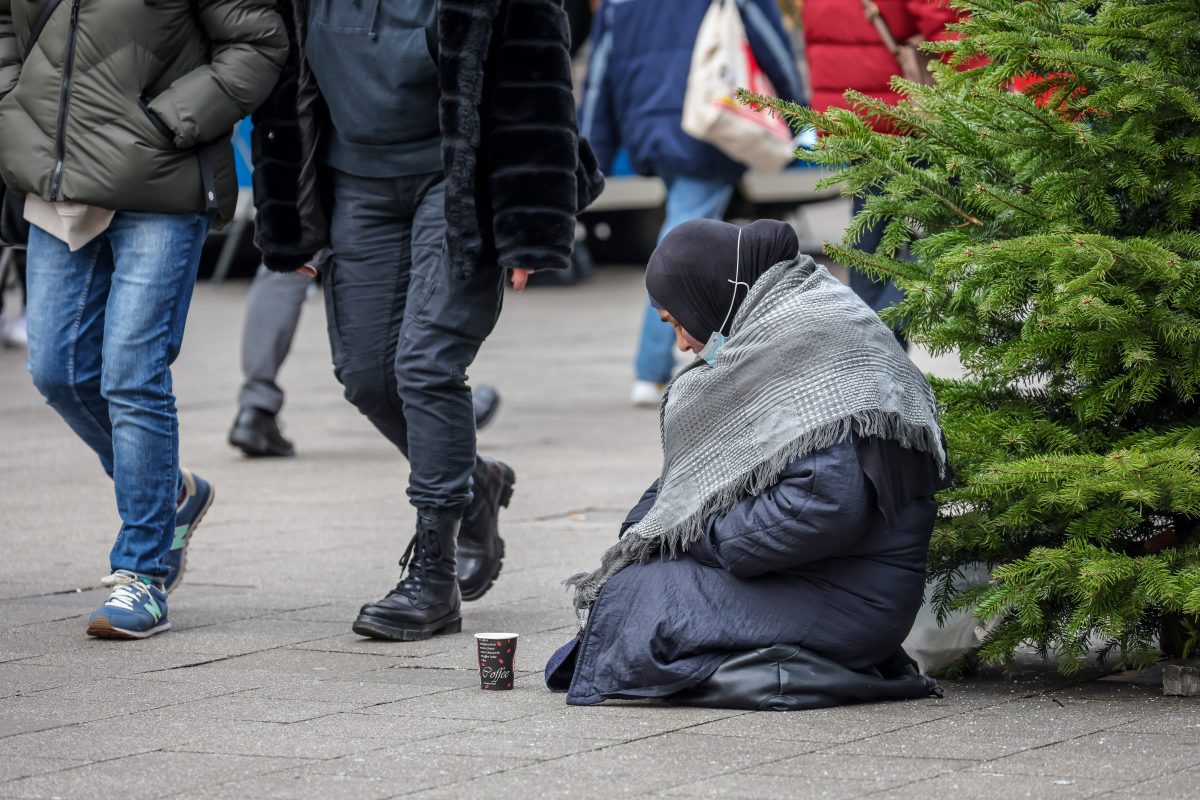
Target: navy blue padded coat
[{"x": 812, "y": 561}]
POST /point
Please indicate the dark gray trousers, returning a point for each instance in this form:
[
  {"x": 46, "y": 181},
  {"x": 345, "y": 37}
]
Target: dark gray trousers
[
  {"x": 404, "y": 330},
  {"x": 272, "y": 315}
]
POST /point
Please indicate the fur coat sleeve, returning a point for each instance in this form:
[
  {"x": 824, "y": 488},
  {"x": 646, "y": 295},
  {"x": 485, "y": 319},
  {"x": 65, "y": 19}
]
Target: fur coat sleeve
[
  {"x": 292, "y": 222},
  {"x": 517, "y": 170}
]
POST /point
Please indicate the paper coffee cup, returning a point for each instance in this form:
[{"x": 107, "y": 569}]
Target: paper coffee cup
[{"x": 497, "y": 659}]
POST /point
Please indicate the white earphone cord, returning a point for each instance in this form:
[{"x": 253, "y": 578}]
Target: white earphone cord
[{"x": 737, "y": 272}]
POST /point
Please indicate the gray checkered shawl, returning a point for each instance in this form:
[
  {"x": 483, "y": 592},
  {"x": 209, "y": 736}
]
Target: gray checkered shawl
[{"x": 806, "y": 365}]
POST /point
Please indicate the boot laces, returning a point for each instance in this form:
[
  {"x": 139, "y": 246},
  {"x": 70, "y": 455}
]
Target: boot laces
[{"x": 423, "y": 549}]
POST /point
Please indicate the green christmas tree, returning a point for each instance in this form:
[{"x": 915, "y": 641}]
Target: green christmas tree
[{"x": 1054, "y": 229}]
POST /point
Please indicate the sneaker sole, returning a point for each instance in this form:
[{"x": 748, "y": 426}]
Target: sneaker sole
[
  {"x": 506, "y": 493},
  {"x": 187, "y": 539},
  {"x": 101, "y": 628},
  {"x": 375, "y": 628}
]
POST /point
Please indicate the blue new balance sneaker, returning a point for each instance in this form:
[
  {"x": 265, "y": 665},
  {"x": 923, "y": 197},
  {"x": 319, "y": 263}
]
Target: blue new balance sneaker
[
  {"x": 198, "y": 498},
  {"x": 135, "y": 609}
]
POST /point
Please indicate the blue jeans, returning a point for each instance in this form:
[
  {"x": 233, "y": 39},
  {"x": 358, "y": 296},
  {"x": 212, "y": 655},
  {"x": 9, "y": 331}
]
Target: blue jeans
[
  {"x": 105, "y": 324},
  {"x": 687, "y": 198}
]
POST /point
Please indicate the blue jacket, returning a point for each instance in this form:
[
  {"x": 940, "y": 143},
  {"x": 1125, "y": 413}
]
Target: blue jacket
[{"x": 641, "y": 57}]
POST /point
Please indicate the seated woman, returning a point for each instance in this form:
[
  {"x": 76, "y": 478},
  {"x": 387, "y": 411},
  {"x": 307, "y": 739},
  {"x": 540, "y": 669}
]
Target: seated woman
[{"x": 779, "y": 561}]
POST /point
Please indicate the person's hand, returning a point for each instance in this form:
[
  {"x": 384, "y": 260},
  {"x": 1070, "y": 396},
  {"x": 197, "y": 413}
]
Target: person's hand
[
  {"x": 308, "y": 270},
  {"x": 520, "y": 277}
]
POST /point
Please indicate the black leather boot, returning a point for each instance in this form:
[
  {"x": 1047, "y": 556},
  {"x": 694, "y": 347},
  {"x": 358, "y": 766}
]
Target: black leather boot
[
  {"x": 256, "y": 433},
  {"x": 485, "y": 402},
  {"x": 480, "y": 548},
  {"x": 426, "y": 601}
]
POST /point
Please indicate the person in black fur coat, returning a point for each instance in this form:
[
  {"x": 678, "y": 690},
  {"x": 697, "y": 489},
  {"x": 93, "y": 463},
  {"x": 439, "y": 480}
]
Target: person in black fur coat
[{"x": 431, "y": 146}]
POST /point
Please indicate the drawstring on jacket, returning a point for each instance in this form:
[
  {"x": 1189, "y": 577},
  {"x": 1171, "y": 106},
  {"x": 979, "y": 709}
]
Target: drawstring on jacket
[{"x": 374, "y": 32}]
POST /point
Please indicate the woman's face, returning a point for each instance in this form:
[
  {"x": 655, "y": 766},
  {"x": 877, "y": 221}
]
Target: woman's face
[{"x": 686, "y": 342}]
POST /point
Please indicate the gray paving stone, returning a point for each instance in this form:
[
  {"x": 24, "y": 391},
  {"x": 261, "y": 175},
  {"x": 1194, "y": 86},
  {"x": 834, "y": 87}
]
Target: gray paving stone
[
  {"x": 460, "y": 678},
  {"x": 831, "y": 725},
  {"x": 111, "y": 661},
  {"x": 15, "y": 725},
  {"x": 414, "y": 771},
  {"x": 509, "y": 740},
  {"x": 91, "y": 741},
  {"x": 251, "y": 707},
  {"x": 19, "y": 615},
  {"x": 882, "y": 770},
  {"x": 388, "y": 729},
  {"x": 299, "y": 662},
  {"x": 1109, "y": 755},
  {"x": 85, "y": 700},
  {"x": 914, "y": 742},
  {"x": 1182, "y": 725},
  {"x": 13, "y": 767},
  {"x": 359, "y": 693},
  {"x": 655, "y": 764},
  {"x": 239, "y": 737},
  {"x": 1179, "y": 784},
  {"x": 997, "y": 786},
  {"x": 474, "y": 703},
  {"x": 754, "y": 786},
  {"x": 344, "y": 641},
  {"x": 151, "y": 775},
  {"x": 301, "y": 785}
]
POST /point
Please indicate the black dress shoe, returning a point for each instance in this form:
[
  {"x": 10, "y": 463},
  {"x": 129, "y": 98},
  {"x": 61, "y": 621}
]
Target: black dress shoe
[
  {"x": 426, "y": 601},
  {"x": 256, "y": 433},
  {"x": 486, "y": 402},
  {"x": 480, "y": 548}
]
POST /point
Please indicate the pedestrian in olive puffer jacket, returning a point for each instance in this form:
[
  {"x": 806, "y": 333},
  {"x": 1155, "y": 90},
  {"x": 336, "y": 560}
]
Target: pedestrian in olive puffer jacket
[
  {"x": 131, "y": 108},
  {"x": 115, "y": 119}
]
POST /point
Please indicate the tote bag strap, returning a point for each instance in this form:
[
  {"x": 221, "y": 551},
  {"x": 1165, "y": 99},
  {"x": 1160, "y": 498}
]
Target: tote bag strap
[{"x": 881, "y": 27}]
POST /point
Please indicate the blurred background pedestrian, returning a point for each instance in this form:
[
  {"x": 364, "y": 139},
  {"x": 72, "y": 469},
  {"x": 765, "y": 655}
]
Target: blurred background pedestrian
[
  {"x": 12, "y": 318},
  {"x": 633, "y": 101},
  {"x": 844, "y": 50}
]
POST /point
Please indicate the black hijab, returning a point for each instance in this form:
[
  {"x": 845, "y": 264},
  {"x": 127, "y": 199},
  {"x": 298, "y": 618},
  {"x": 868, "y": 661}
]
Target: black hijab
[{"x": 692, "y": 270}]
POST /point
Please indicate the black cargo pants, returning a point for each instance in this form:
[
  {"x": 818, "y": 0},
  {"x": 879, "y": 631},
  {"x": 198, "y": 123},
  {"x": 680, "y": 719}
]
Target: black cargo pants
[{"x": 404, "y": 330}]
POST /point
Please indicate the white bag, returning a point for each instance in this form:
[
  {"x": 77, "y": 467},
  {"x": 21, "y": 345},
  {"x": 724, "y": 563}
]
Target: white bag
[
  {"x": 936, "y": 647},
  {"x": 723, "y": 62}
]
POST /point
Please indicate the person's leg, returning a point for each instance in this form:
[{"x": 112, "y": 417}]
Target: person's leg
[
  {"x": 67, "y": 297},
  {"x": 878, "y": 294},
  {"x": 155, "y": 259},
  {"x": 15, "y": 333},
  {"x": 445, "y": 322},
  {"x": 273, "y": 309},
  {"x": 688, "y": 198},
  {"x": 366, "y": 289}
]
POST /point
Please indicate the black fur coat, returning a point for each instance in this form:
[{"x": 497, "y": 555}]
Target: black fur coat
[{"x": 517, "y": 171}]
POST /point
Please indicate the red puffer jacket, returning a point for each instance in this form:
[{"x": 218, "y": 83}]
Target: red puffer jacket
[{"x": 844, "y": 50}]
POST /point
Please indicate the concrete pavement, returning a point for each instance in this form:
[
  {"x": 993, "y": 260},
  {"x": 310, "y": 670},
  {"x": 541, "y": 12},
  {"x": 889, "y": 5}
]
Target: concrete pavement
[{"x": 261, "y": 690}]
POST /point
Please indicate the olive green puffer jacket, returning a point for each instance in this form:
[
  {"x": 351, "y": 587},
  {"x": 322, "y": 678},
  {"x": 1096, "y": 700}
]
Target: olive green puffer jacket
[{"x": 129, "y": 104}]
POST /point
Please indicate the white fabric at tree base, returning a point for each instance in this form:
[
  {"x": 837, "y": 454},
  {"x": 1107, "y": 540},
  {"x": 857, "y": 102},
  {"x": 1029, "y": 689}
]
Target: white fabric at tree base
[{"x": 935, "y": 647}]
